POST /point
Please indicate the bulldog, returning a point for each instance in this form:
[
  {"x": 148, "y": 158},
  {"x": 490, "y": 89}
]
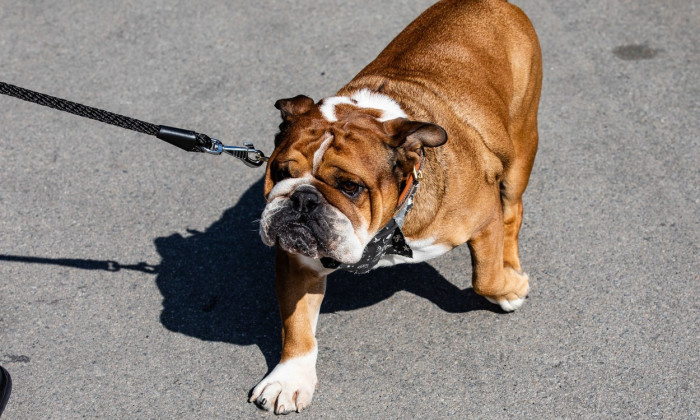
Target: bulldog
[{"x": 428, "y": 147}]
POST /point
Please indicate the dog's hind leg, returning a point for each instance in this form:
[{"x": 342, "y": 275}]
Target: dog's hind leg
[
  {"x": 499, "y": 284},
  {"x": 513, "y": 186},
  {"x": 524, "y": 137}
]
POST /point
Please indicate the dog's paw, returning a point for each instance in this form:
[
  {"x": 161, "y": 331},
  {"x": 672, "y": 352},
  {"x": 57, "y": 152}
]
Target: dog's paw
[
  {"x": 289, "y": 387},
  {"x": 519, "y": 283}
]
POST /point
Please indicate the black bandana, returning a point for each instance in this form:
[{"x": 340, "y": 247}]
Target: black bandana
[{"x": 389, "y": 240}]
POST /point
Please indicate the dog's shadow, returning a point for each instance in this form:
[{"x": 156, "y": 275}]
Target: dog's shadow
[{"x": 218, "y": 285}]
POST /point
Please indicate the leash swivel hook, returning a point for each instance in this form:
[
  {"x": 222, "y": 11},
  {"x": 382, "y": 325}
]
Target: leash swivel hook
[{"x": 247, "y": 153}]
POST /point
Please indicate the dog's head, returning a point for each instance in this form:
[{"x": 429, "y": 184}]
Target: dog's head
[{"x": 336, "y": 173}]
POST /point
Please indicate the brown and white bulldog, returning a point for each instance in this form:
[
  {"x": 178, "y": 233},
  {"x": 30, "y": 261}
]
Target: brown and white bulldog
[{"x": 345, "y": 167}]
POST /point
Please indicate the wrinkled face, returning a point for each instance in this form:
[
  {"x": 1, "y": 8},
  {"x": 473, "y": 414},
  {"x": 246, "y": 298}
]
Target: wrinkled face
[{"x": 335, "y": 175}]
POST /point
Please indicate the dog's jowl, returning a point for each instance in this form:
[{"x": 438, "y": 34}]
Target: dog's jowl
[{"x": 428, "y": 147}]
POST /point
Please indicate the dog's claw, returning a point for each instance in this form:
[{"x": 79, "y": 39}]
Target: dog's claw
[{"x": 289, "y": 387}]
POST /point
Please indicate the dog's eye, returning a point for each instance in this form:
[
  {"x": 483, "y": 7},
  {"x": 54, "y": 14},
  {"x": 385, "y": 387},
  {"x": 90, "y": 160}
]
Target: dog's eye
[
  {"x": 350, "y": 188},
  {"x": 280, "y": 174}
]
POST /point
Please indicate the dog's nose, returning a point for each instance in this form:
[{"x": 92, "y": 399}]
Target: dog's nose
[{"x": 305, "y": 200}]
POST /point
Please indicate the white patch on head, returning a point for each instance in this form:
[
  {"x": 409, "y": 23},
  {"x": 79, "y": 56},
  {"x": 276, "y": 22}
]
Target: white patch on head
[
  {"x": 423, "y": 250},
  {"x": 363, "y": 98},
  {"x": 318, "y": 155},
  {"x": 290, "y": 386},
  {"x": 328, "y": 106}
]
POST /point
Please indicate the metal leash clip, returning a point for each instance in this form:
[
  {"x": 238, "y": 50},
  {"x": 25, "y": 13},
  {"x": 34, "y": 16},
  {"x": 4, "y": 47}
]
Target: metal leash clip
[{"x": 247, "y": 153}]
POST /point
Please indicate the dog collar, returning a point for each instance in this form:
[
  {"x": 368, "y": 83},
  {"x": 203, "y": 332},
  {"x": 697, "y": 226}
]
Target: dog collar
[{"x": 389, "y": 239}]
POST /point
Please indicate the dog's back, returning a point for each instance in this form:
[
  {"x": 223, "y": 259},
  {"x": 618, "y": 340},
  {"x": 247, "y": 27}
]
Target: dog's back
[{"x": 455, "y": 45}]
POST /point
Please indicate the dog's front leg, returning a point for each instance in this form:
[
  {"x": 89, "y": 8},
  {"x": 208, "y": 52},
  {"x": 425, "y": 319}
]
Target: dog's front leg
[{"x": 300, "y": 288}]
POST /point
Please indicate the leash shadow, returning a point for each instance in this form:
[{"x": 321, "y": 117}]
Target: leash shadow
[
  {"x": 218, "y": 285},
  {"x": 83, "y": 264}
]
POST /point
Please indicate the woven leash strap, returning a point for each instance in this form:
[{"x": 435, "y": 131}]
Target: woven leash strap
[{"x": 202, "y": 140}]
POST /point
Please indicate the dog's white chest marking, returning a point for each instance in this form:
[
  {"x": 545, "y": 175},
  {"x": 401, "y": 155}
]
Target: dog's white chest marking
[{"x": 423, "y": 250}]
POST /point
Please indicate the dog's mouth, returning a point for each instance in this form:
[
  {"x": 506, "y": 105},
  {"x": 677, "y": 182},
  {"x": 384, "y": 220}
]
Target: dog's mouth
[
  {"x": 324, "y": 233},
  {"x": 295, "y": 233},
  {"x": 298, "y": 238}
]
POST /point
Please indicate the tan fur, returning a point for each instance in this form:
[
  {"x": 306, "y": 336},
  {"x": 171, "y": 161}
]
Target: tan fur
[
  {"x": 299, "y": 293},
  {"x": 472, "y": 67}
]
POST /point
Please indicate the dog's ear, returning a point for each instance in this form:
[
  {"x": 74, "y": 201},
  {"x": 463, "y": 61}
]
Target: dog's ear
[
  {"x": 412, "y": 135},
  {"x": 291, "y": 107},
  {"x": 408, "y": 137}
]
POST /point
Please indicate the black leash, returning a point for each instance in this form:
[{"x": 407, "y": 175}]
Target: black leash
[{"x": 184, "y": 139}]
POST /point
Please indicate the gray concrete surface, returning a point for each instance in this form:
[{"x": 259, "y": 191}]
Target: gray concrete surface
[{"x": 133, "y": 284}]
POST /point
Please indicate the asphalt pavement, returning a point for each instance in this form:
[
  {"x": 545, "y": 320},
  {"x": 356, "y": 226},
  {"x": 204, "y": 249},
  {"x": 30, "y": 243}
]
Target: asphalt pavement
[{"x": 133, "y": 283}]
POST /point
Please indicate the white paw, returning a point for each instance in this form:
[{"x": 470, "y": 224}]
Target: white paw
[
  {"x": 513, "y": 300},
  {"x": 289, "y": 387},
  {"x": 508, "y": 305}
]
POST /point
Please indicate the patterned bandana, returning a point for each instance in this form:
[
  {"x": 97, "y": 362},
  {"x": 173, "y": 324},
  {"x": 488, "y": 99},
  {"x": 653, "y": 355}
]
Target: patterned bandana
[{"x": 389, "y": 239}]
